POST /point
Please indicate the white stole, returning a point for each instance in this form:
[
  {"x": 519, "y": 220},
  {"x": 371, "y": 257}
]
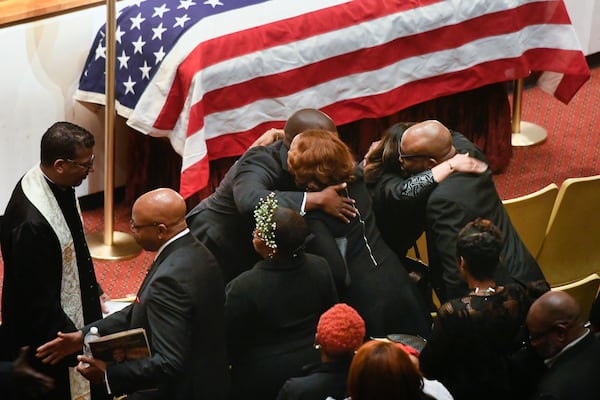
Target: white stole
[{"x": 38, "y": 192}]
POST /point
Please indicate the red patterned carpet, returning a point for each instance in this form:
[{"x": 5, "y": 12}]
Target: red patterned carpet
[{"x": 572, "y": 149}]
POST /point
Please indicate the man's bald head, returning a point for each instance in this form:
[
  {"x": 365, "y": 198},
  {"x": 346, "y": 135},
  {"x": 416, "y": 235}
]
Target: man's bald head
[
  {"x": 430, "y": 138},
  {"x": 305, "y": 119},
  {"x": 554, "y": 320},
  {"x": 554, "y": 306},
  {"x": 162, "y": 209}
]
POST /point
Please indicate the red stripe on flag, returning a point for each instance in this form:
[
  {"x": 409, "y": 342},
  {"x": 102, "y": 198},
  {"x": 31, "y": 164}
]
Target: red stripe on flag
[
  {"x": 280, "y": 32},
  {"x": 194, "y": 178},
  {"x": 370, "y": 59}
]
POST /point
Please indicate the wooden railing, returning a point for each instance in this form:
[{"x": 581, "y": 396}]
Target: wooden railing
[{"x": 14, "y": 12}]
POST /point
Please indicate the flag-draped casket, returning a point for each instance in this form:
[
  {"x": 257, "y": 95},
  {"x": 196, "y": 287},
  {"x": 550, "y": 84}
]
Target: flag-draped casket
[{"x": 213, "y": 75}]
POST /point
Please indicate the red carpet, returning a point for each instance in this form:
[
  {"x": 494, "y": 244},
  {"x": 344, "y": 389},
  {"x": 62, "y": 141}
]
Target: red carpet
[{"x": 571, "y": 150}]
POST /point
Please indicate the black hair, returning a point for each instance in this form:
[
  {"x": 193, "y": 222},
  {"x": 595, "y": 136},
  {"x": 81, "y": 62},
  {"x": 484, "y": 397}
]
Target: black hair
[
  {"x": 62, "y": 140},
  {"x": 479, "y": 244},
  {"x": 291, "y": 232}
]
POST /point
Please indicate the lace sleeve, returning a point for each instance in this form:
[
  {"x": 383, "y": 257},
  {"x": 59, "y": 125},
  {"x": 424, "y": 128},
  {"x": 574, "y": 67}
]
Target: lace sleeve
[{"x": 419, "y": 185}]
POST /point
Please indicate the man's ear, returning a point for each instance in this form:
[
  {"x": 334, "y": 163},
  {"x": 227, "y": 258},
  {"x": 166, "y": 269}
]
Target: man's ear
[
  {"x": 59, "y": 165},
  {"x": 431, "y": 162}
]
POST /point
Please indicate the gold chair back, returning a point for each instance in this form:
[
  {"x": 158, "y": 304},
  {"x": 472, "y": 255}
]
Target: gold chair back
[
  {"x": 530, "y": 215},
  {"x": 571, "y": 249},
  {"x": 584, "y": 291},
  {"x": 421, "y": 245}
]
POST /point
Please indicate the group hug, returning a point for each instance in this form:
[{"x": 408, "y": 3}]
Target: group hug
[{"x": 292, "y": 281}]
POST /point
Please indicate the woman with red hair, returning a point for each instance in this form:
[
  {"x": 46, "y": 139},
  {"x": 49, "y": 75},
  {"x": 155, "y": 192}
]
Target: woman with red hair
[
  {"x": 369, "y": 275},
  {"x": 340, "y": 332},
  {"x": 382, "y": 370}
]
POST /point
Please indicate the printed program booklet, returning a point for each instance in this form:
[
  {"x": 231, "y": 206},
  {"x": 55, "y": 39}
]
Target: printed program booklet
[{"x": 128, "y": 345}]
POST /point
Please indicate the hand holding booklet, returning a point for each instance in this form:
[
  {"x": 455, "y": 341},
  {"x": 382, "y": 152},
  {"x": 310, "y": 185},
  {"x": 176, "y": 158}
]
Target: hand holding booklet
[{"x": 118, "y": 347}]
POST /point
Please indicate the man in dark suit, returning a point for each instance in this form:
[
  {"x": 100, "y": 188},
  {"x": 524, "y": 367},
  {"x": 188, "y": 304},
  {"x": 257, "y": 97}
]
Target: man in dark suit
[
  {"x": 455, "y": 201},
  {"x": 224, "y": 221},
  {"x": 557, "y": 333},
  {"x": 180, "y": 304},
  {"x": 49, "y": 279}
]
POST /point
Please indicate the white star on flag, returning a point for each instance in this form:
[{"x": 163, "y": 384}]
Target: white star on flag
[
  {"x": 123, "y": 59},
  {"x": 136, "y": 22},
  {"x": 160, "y": 11},
  {"x": 214, "y": 3},
  {"x": 181, "y": 21},
  {"x": 186, "y": 4},
  {"x": 160, "y": 54},
  {"x": 158, "y": 31},
  {"x": 138, "y": 45},
  {"x": 145, "y": 70},
  {"x": 129, "y": 86},
  {"x": 119, "y": 34},
  {"x": 100, "y": 51}
]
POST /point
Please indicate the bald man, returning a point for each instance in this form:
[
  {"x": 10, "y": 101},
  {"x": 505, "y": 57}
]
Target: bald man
[
  {"x": 224, "y": 220},
  {"x": 181, "y": 306},
  {"x": 457, "y": 200},
  {"x": 557, "y": 333}
]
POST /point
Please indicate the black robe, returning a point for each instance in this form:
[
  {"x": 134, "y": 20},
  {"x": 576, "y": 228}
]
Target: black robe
[{"x": 31, "y": 296}]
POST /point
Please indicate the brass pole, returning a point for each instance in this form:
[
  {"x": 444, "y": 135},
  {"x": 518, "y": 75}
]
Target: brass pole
[
  {"x": 516, "y": 111},
  {"x": 523, "y": 133},
  {"x": 109, "y": 123},
  {"x": 111, "y": 245}
]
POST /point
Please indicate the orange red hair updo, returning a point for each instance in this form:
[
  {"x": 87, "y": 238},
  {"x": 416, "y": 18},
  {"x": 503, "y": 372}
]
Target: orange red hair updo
[{"x": 320, "y": 157}]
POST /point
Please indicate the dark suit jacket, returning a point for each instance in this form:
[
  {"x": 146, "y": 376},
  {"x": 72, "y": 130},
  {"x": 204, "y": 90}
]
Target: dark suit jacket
[
  {"x": 575, "y": 374},
  {"x": 272, "y": 313},
  {"x": 377, "y": 282},
  {"x": 31, "y": 309},
  {"x": 181, "y": 306},
  {"x": 457, "y": 200},
  {"x": 261, "y": 171},
  {"x": 227, "y": 233},
  {"x": 224, "y": 221},
  {"x": 321, "y": 382}
]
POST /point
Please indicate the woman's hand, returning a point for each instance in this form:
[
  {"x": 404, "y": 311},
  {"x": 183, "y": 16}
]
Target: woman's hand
[{"x": 468, "y": 164}]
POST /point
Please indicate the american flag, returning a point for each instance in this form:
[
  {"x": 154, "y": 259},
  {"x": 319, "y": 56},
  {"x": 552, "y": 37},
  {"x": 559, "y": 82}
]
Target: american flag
[{"x": 213, "y": 75}]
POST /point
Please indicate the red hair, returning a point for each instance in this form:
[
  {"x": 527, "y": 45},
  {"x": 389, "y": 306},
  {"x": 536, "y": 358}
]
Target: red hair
[
  {"x": 340, "y": 331},
  {"x": 320, "y": 157},
  {"x": 382, "y": 371}
]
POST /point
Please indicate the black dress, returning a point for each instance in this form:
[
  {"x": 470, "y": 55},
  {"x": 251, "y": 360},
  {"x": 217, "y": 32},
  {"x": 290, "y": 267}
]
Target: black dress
[
  {"x": 370, "y": 276},
  {"x": 472, "y": 340}
]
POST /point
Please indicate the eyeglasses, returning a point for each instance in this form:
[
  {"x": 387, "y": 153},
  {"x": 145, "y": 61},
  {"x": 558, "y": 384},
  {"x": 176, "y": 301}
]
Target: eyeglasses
[
  {"x": 533, "y": 337},
  {"x": 404, "y": 156},
  {"x": 537, "y": 336},
  {"x": 135, "y": 228},
  {"x": 86, "y": 165}
]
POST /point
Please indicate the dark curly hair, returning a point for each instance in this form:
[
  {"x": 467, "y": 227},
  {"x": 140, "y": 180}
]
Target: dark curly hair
[{"x": 479, "y": 244}]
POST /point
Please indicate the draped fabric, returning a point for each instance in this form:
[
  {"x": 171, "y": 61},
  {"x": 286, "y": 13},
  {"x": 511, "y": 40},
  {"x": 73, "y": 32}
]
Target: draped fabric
[
  {"x": 41, "y": 196},
  {"x": 212, "y": 76}
]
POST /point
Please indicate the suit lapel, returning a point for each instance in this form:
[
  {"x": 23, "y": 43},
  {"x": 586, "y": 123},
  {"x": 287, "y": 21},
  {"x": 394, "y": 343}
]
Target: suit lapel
[{"x": 182, "y": 241}]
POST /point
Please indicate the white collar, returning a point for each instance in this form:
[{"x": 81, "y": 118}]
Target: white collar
[
  {"x": 550, "y": 361},
  {"x": 168, "y": 242}
]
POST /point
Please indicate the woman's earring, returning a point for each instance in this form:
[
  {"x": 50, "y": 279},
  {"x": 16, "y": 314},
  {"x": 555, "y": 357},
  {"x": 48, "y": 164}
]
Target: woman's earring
[{"x": 317, "y": 346}]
